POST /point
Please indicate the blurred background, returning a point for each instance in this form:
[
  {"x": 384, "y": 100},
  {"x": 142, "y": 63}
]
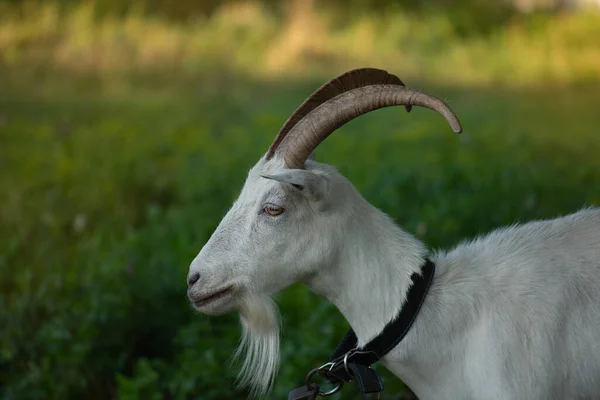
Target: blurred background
[{"x": 127, "y": 130}]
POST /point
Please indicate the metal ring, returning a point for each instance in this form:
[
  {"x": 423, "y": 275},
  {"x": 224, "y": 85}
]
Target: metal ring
[
  {"x": 310, "y": 374},
  {"x": 346, "y": 361},
  {"x": 332, "y": 391},
  {"x": 322, "y": 367},
  {"x": 317, "y": 370},
  {"x": 350, "y": 354}
]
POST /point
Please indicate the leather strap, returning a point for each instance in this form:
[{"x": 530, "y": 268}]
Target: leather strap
[{"x": 349, "y": 363}]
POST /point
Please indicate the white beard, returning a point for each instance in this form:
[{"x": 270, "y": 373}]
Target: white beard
[{"x": 260, "y": 343}]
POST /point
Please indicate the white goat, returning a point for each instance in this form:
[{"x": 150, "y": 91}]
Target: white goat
[{"x": 512, "y": 315}]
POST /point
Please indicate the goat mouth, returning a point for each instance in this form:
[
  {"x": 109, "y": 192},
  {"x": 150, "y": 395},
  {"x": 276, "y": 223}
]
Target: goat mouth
[{"x": 214, "y": 296}]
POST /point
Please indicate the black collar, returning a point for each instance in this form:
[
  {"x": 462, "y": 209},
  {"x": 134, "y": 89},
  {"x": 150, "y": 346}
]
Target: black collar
[{"x": 350, "y": 363}]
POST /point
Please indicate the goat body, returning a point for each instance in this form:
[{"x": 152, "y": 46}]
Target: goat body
[{"x": 512, "y": 315}]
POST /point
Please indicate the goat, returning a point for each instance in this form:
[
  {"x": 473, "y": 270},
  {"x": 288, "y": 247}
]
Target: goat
[{"x": 511, "y": 315}]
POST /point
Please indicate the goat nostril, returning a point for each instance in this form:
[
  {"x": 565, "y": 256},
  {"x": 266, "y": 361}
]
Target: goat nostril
[{"x": 193, "y": 278}]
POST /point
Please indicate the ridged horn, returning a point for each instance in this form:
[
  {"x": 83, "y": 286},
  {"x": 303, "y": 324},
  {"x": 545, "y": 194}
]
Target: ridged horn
[
  {"x": 353, "y": 79},
  {"x": 324, "y": 119}
]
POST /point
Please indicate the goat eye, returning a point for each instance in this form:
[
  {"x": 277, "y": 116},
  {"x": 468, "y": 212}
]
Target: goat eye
[{"x": 273, "y": 210}]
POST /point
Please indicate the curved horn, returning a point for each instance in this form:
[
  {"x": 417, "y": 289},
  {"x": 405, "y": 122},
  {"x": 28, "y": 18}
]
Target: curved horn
[
  {"x": 309, "y": 132},
  {"x": 353, "y": 79}
]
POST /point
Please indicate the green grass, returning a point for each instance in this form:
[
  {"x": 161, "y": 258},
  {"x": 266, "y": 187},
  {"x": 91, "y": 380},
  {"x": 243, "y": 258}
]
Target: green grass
[{"x": 109, "y": 190}]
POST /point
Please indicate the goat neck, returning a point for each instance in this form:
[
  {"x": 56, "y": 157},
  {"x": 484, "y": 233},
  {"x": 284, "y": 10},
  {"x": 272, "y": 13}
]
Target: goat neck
[{"x": 371, "y": 276}]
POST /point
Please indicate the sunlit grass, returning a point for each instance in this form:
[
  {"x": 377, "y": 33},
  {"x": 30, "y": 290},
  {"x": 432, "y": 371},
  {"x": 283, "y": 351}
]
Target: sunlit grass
[{"x": 248, "y": 37}]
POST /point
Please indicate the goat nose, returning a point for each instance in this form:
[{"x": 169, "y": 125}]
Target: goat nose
[{"x": 193, "y": 278}]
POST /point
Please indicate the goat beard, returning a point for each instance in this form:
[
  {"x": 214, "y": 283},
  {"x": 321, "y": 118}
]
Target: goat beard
[{"x": 259, "y": 344}]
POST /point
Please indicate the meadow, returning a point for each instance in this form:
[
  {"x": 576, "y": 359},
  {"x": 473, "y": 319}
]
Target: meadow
[{"x": 111, "y": 181}]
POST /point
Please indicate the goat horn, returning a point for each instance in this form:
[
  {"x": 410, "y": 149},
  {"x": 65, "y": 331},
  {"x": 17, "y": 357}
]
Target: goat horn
[
  {"x": 353, "y": 79},
  {"x": 323, "y": 120}
]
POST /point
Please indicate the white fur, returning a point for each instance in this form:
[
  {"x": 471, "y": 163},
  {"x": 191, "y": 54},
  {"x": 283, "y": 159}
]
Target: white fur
[
  {"x": 260, "y": 344},
  {"x": 512, "y": 315}
]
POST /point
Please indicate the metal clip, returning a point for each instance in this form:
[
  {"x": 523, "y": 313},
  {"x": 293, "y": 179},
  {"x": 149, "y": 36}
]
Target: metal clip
[
  {"x": 350, "y": 354},
  {"x": 319, "y": 369}
]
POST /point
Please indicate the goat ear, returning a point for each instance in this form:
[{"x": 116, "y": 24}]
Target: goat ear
[{"x": 310, "y": 184}]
